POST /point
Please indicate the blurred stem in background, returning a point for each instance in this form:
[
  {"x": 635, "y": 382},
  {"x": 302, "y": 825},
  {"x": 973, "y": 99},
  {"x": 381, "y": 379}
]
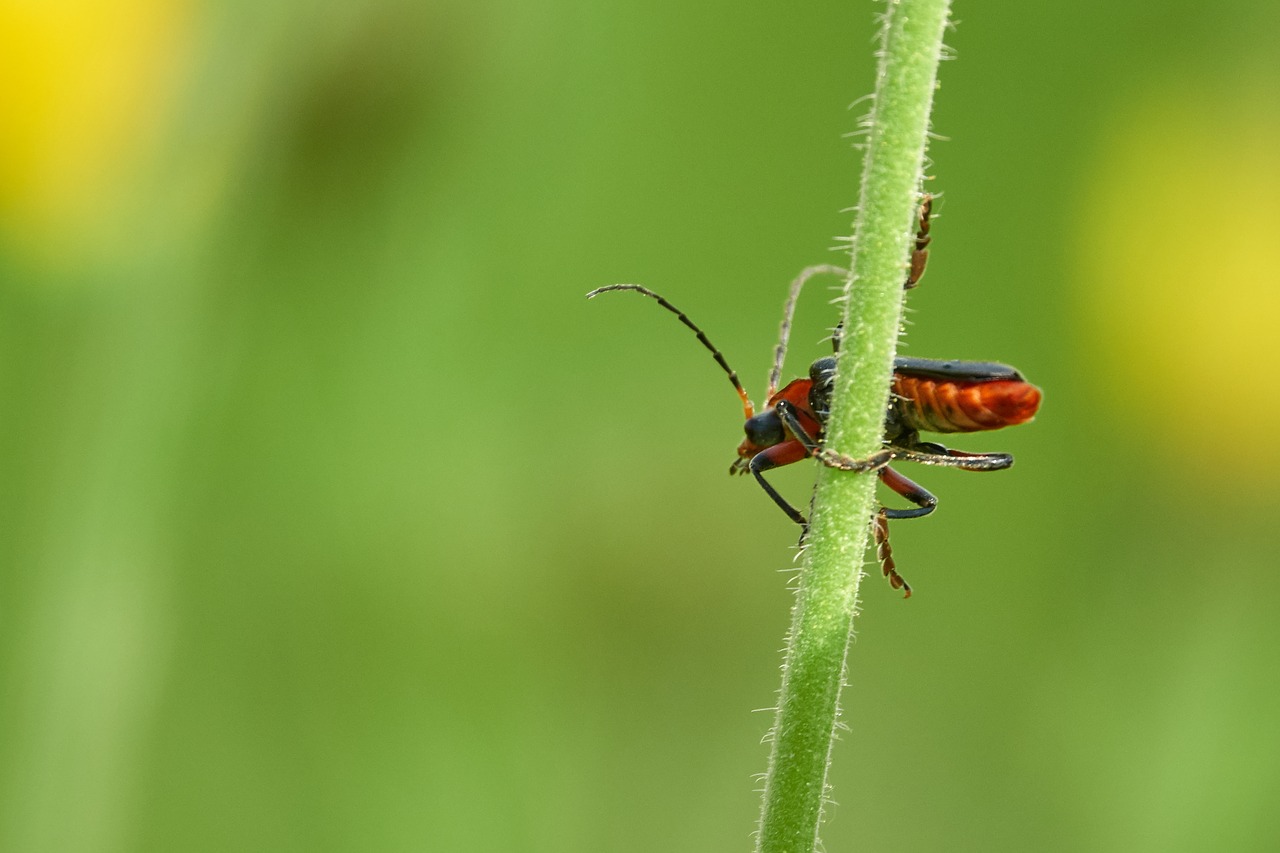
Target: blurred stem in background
[{"x": 822, "y": 622}]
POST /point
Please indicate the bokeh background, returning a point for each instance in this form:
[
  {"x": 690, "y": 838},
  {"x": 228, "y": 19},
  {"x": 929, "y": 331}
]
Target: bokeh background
[{"x": 332, "y": 517}]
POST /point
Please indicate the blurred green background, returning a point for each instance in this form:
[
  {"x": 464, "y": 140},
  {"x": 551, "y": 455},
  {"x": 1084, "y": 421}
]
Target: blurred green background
[{"x": 333, "y": 517}]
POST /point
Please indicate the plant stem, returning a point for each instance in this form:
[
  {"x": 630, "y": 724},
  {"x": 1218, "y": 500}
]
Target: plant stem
[{"x": 822, "y": 622}]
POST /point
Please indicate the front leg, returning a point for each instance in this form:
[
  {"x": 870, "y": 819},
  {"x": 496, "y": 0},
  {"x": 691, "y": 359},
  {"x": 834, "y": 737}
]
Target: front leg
[
  {"x": 775, "y": 457},
  {"x": 825, "y": 455}
]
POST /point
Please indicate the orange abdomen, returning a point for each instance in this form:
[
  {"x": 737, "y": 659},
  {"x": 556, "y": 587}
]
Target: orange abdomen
[{"x": 937, "y": 405}]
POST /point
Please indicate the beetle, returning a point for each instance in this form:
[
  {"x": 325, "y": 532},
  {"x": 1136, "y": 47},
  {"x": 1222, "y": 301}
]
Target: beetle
[{"x": 926, "y": 395}]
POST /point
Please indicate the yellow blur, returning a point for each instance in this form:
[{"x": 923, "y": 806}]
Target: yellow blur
[
  {"x": 1182, "y": 273},
  {"x": 87, "y": 90}
]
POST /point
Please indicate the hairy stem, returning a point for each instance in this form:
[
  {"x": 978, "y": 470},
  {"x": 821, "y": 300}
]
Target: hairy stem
[{"x": 795, "y": 785}]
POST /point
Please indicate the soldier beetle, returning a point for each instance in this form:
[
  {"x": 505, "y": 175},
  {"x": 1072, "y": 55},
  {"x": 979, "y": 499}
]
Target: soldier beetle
[{"x": 926, "y": 395}]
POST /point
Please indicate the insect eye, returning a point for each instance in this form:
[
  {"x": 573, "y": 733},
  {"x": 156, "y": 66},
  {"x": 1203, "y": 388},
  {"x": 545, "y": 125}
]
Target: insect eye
[{"x": 765, "y": 429}]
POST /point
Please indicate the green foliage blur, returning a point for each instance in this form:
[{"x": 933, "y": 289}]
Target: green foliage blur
[{"x": 333, "y": 518}]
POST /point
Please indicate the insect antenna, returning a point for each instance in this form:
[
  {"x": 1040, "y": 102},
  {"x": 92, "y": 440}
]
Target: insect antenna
[
  {"x": 747, "y": 409},
  {"x": 788, "y": 312}
]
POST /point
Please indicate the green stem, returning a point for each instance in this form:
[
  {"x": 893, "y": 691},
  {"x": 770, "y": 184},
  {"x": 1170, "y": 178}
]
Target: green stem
[{"x": 822, "y": 623}]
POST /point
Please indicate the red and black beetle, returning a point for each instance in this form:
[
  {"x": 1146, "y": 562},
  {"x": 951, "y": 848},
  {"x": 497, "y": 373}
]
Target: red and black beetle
[{"x": 927, "y": 395}]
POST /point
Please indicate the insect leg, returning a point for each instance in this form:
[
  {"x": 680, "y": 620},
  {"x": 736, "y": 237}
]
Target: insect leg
[
  {"x": 954, "y": 458},
  {"x": 925, "y": 503},
  {"x": 920, "y": 257},
  {"x": 884, "y": 553},
  {"x": 920, "y": 496},
  {"x": 826, "y": 456},
  {"x": 775, "y": 457},
  {"x": 915, "y": 266}
]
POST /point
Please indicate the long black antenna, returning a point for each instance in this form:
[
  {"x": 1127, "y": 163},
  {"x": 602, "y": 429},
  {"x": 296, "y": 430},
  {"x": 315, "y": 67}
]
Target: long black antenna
[{"x": 747, "y": 409}]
